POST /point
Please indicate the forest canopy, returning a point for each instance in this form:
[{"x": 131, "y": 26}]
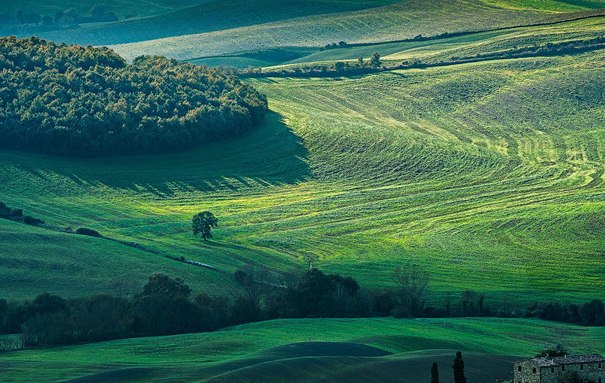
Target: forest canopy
[{"x": 86, "y": 102}]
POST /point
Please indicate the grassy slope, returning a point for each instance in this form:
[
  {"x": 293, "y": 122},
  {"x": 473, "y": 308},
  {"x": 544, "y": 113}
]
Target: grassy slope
[
  {"x": 539, "y": 178},
  {"x": 470, "y": 169},
  {"x": 461, "y": 169},
  {"x": 146, "y": 199},
  {"x": 461, "y": 46},
  {"x": 404, "y": 19},
  {"x": 38, "y": 261},
  {"x": 270, "y": 352},
  {"x": 555, "y": 6}
]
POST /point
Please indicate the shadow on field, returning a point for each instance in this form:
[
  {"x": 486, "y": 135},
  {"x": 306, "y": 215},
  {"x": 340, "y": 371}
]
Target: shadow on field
[
  {"x": 323, "y": 362},
  {"x": 119, "y": 375},
  {"x": 271, "y": 154},
  {"x": 358, "y": 368}
]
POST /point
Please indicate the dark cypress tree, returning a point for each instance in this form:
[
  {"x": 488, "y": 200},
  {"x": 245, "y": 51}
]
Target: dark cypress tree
[
  {"x": 459, "y": 369},
  {"x": 435, "y": 373}
]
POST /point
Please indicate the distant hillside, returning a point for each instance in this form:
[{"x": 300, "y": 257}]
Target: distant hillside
[
  {"x": 548, "y": 5},
  {"x": 207, "y": 17},
  {"x": 405, "y": 19},
  {"x": 122, "y": 8}
]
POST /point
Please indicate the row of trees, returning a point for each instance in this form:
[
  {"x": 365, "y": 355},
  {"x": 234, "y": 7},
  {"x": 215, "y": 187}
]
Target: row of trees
[
  {"x": 548, "y": 49},
  {"x": 339, "y": 68},
  {"x": 65, "y": 18},
  {"x": 588, "y": 314},
  {"x": 85, "y": 101},
  {"x": 457, "y": 366},
  {"x": 375, "y": 64},
  {"x": 166, "y": 306}
]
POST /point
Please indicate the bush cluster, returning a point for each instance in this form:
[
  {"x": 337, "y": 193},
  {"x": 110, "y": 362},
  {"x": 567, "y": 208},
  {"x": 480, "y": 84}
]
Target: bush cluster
[
  {"x": 86, "y": 102},
  {"x": 18, "y": 216}
]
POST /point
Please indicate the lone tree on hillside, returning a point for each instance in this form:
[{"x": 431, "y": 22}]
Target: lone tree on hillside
[
  {"x": 459, "y": 369},
  {"x": 434, "y": 373},
  {"x": 203, "y": 223},
  {"x": 413, "y": 283}
]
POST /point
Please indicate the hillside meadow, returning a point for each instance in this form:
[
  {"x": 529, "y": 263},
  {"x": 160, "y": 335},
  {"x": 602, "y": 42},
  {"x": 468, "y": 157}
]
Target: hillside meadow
[
  {"x": 400, "y": 20},
  {"x": 488, "y": 175},
  {"x": 488, "y": 170}
]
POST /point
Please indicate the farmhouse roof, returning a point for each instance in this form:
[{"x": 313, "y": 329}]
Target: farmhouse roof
[{"x": 547, "y": 361}]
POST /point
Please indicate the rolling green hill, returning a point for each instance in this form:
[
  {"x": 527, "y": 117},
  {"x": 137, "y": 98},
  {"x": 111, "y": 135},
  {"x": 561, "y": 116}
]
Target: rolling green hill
[
  {"x": 210, "y": 16},
  {"x": 553, "y": 5},
  {"x": 319, "y": 350},
  {"x": 401, "y": 20},
  {"x": 489, "y": 175},
  {"x": 470, "y": 169}
]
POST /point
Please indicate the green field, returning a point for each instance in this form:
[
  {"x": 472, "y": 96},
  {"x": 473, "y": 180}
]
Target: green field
[
  {"x": 491, "y": 170},
  {"x": 402, "y": 20},
  {"x": 489, "y": 175},
  {"x": 319, "y": 350}
]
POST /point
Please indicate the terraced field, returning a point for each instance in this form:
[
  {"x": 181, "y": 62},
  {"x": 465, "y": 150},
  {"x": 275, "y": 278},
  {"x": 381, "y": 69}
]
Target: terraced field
[{"x": 318, "y": 350}]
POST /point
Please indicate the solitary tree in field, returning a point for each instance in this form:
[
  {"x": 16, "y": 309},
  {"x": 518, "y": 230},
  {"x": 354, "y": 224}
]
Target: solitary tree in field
[
  {"x": 413, "y": 283},
  {"x": 434, "y": 373},
  {"x": 375, "y": 61},
  {"x": 203, "y": 223},
  {"x": 459, "y": 369}
]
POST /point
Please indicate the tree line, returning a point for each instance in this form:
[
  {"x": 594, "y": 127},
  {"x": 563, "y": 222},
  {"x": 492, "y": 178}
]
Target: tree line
[
  {"x": 67, "y": 18},
  {"x": 166, "y": 306},
  {"x": 375, "y": 63},
  {"x": 86, "y": 102}
]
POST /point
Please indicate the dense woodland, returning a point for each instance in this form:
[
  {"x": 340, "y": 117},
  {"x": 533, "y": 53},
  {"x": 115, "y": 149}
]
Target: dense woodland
[{"x": 85, "y": 101}]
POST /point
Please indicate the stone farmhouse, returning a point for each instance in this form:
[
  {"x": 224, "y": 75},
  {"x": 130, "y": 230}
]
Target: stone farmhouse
[{"x": 561, "y": 369}]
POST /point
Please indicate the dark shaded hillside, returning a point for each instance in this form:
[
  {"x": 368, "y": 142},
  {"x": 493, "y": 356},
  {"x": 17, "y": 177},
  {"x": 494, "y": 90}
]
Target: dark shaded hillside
[
  {"x": 406, "y": 368},
  {"x": 76, "y": 101}
]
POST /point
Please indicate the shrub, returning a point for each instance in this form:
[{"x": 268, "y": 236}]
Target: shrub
[
  {"x": 88, "y": 232},
  {"x": 29, "y": 220}
]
